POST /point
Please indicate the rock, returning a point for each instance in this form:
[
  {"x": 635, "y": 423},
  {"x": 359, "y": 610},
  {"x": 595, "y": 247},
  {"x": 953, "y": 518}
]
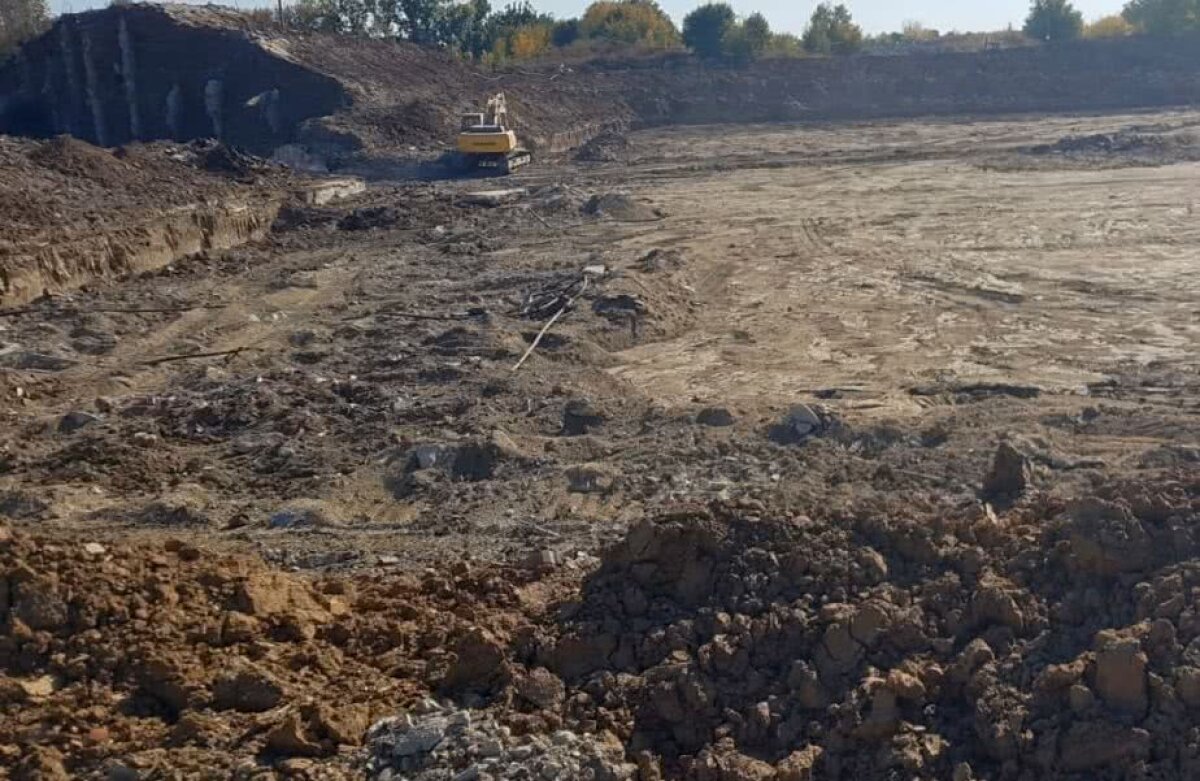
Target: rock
[
  {"x": 12, "y": 692},
  {"x": 906, "y": 687},
  {"x": 94, "y": 549},
  {"x": 962, "y": 772},
  {"x": 839, "y": 652},
  {"x": 800, "y": 423},
  {"x": 739, "y": 767},
  {"x": 1187, "y": 685},
  {"x": 290, "y": 739},
  {"x": 579, "y": 418},
  {"x": 1081, "y": 699},
  {"x": 591, "y": 479},
  {"x": 1121, "y": 673},
  {"x": 249, "y": 690},
  {"x": 539, "y": 689},
  {"x": 1009, "y": 475},
  {"x": 874, "y": 566},
  {"x": 480, "y": 664},
  {"x": 716, "y": 417},
  {"x": 37, "y": 604},
  {"x": 544, "y": 560},
  {"x": 799, "y": 765},
  {"x": 343, "y": 723},
  {"x": 41, "y": 763},
  {"x": 431, "y": 455},
  {"x": 1095, "y": 745},
  {"x": 883, "y": 720},
  {"x": 73, "y": 421},
  {"x": 239, "y": 628}
]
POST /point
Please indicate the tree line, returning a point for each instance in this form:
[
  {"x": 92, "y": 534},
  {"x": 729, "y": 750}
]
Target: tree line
[
  {"x": 712, "y": 31},
  {"x": 473, "y": 29},
  {"x": 1059, "y": 20}
]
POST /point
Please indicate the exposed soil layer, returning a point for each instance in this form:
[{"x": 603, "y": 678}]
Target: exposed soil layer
[
  {"x": 74, "y": 213},
  {"x": 845, "y": 451}
]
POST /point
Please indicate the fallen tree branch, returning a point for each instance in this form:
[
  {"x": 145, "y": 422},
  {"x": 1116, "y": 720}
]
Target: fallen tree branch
[
  {"x": 537, "y": 339},
  {"x": 189, "y": 356}
]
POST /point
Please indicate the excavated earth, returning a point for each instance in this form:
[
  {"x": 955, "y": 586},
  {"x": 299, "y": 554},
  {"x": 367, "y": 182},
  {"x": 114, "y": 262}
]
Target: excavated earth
[{"x": 856, "y": 451}]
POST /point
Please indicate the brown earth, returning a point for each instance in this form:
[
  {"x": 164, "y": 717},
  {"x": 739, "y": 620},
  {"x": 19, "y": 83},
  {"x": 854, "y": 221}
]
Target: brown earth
[{"x": 871, "y": 452}]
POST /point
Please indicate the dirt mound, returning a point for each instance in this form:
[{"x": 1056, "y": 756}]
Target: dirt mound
[
  {"x": 621, "y": 207},
  {"x": 168, "y": 656},
  {"x": 66, "y": 155},
  {"x": 1055, "y": 643},
  {"x": 607, "y": 147}
]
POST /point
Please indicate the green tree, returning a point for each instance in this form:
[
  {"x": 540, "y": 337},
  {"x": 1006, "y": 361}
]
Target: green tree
[
  {"x": 832, "y": 30},
  {"x": 565, "y": 32},
  {"x": 462, "y": 27},
  {"x": 705, "y": 27},
  {"x": 1053, "y": 20},
  {"x": 628, "y": 21},
  {"x": 1164, "y": 17},
  {"x": 758, "y": 32}
]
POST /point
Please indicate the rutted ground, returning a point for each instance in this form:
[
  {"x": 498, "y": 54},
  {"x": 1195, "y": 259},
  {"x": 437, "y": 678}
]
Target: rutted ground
[{"x": 936, "y": 521}]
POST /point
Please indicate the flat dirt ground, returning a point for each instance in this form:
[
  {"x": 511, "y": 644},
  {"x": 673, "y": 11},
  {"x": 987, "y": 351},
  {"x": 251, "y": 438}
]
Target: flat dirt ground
[{"x": 879, "y": 442}]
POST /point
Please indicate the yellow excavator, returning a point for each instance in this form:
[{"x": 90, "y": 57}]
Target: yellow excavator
[{"x": 485, "y": 141}]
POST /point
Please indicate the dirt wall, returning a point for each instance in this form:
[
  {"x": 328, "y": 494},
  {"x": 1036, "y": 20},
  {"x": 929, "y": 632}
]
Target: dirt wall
[
  {"x": 1084, "y": 76},
  {"x": 114, "y": 76}
]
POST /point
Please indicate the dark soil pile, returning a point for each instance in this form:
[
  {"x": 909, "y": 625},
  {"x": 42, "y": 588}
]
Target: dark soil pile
[{"x": 1058, "y": 642}]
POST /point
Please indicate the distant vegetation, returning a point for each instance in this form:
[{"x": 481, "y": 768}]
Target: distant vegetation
[
  {"x": 19, "y": 21},
  {"x": 713, "y": 31}
]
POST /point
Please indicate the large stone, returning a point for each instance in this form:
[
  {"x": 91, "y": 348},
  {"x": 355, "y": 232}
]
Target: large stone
[
  {"x": 1009, "y": 475},
  {"x": 1095, "y": 745},
  {"x": 249, "y": 690},
  {"x": 1121, "y": 673},
  {"x": 539, "y": 688},
  {"x": 480, "y": 664},
  {"x": 1187, "y": 686}
]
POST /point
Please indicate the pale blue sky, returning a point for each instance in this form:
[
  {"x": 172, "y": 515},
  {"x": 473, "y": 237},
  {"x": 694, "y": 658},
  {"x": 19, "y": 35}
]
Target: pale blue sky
[{"x": 790, "y": 15}]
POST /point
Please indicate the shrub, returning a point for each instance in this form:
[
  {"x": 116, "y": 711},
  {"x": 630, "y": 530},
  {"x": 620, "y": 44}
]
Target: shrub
[{"x": 1115, "y": 26}]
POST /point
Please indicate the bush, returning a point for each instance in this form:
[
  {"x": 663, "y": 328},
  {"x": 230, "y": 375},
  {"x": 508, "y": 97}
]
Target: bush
[
  {"x": 783, "y": 45},
  {"x": 1164, "y": 17},
  {"x": 1114, "y": 26},
  {"x": 629, "y": 21},
  {"x": 705, "y": 27},
  {"x": 1053, "y": 20},
  {"x": 831, "y": 30}
]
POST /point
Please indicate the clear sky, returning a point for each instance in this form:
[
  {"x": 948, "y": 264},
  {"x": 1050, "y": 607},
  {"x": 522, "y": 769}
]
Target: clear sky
[{"x": 790, "y": 15}]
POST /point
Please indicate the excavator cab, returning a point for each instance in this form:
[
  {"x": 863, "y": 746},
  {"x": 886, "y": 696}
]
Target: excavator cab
[{"x": 486, "y": 142}]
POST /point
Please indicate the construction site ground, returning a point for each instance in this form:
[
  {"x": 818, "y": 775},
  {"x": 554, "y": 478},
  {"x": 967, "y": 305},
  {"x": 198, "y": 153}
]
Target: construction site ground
[{"x": 852, "y": 451}]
